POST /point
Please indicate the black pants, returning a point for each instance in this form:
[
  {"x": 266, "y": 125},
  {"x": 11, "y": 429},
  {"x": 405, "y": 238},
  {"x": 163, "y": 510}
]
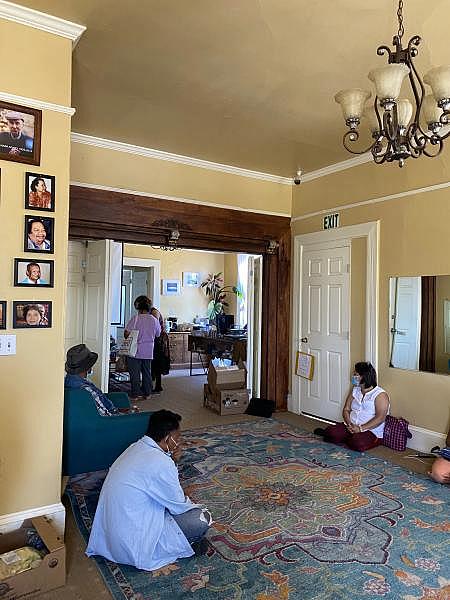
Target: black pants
[{"x": 136, "y": 366}]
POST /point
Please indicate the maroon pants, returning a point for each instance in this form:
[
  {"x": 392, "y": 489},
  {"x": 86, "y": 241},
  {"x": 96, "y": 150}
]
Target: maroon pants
[{"x": 339, "y": 434}]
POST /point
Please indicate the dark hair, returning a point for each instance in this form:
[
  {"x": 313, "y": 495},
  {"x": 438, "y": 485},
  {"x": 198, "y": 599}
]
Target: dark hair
[
  {"x": 35, "y": 220},
  {"x": 35, "y": 181},
  {"x": 162, "y": 422},
  {"x": 367, "y": 373},
  {"x": 33, "y": 264},
  {"x": 38, "y": 307},
  {"x": 143, "y": 303}
]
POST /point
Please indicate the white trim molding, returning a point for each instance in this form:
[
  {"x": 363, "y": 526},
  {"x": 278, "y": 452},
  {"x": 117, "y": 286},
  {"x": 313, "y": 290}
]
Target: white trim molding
[
  {"x": 413, "y": 192},
  {"x": 129, "y": 261},
  {"x": 55, "y": 512},
  {"x": 371, "y": 231},
  {"x": 34, "y": 103},
  {"x": 336, "y": 167},
  {"x": 425, "y": 439},
  {"x": 96, "y": 186},
  {"x": 81, "y": 138},
  {"x": 43, "y": 21}
]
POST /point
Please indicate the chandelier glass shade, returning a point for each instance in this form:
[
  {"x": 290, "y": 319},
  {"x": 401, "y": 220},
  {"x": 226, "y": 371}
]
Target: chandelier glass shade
[{"x": 401, "y": 128}]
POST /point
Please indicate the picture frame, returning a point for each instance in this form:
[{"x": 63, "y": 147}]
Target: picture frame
[
  {"x": 39, "y": 234},
  {"x": 171, "y": 287},
  {"x": 33, "y": 273},
  {"x": 32, "y": 314},
  {"x": 20, "y": 133},
  {"x": 3, "y": 314},
  {"x": 304, "y": 365},
  {"x": 40, "y": 191},
  {"x": 191, "y": 279}
]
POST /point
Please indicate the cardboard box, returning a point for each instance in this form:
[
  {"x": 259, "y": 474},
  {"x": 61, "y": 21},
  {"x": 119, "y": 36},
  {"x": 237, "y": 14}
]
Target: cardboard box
[
  {"x": 227, "y": 378},
  {"x": 227, "y": 402},
  {"x": 50, "y": 574}
]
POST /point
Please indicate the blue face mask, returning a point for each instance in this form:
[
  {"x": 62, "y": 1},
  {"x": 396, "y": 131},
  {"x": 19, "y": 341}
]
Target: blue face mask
[{"x": 356, "y": 380}]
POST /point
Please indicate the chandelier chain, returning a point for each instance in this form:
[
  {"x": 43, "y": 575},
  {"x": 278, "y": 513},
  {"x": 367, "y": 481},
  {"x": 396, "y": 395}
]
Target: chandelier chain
[{"x": 401, "y": 29}]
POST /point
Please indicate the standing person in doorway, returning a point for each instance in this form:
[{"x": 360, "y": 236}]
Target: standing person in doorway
[
  {"x": 161, "y": 354},
  {"x": 149, "y": 329}
]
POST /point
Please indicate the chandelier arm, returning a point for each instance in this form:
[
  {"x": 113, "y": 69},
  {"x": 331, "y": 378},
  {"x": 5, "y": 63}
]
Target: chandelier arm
[
  {"x": 380, "y": 156},
  {"x": 377, "y": 112},
  {"x": 390, "y": 124},
  {"x": 382, "y": 50},
  {"x": 352, "y": 135},
  {"x": 444, "y": 120},
  {"x": 439, "y": 143},
  {"x": 413, "y": 76}
]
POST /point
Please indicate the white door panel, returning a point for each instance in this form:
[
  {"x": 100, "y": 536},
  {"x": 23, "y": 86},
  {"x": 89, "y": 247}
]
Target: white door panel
[
  {"x": 75, "y": 294},
  {"x": 405, "y": 322},
  {"x": 325, "y": 324},
  {"x": 97, "y": 308},
  {"x": 254, "y": 311}
]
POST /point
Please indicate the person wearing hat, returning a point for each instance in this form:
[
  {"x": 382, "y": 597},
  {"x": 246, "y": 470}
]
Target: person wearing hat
[
  {"x": 15, "y": 141},
  {"x": 79, "y": 362}
]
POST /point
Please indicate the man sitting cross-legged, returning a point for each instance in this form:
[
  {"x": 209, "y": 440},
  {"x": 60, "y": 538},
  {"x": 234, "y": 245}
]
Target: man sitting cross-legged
[{"x": 143, "y": 517}]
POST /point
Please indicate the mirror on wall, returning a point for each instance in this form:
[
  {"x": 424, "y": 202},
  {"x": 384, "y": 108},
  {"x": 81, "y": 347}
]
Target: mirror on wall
[{"x": 419, "y": 323}]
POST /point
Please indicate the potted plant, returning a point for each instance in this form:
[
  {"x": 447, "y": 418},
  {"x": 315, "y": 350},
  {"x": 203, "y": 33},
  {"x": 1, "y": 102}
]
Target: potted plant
[{"x": 217, "y": 293}]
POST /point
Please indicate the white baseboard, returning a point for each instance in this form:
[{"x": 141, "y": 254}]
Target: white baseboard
[
  {"x": 424, "y": 439},
  {"x": 55, "y": 512}
]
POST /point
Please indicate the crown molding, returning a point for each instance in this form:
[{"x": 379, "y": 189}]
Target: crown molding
[
  {"x": 336, "y": 167},
  {"x": 81, "y": 138},
  {"x": 34, "y": 103},
  {"x": 413, "y": 192},
  {"x": 40, "y": 20},
  {"x": 97, "y": 186}
]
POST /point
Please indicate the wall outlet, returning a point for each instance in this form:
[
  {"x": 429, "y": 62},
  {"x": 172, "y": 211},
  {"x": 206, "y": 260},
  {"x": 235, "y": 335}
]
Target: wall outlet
[{"x": 7, "y": 345}]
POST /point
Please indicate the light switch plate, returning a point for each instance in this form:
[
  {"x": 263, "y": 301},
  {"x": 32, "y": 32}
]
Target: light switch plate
[{"x": 7, "y": 345}]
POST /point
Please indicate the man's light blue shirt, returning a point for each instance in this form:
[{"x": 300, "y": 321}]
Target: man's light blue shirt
[{"x": 132, "y": 523}]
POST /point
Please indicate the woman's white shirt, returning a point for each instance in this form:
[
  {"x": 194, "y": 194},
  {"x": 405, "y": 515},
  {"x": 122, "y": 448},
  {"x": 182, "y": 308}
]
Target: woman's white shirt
[{"x": 363, "y": 408}]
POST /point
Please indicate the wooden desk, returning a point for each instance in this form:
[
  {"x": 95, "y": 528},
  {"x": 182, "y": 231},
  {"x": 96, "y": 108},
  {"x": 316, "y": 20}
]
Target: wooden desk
[{"x": 225, "y": 346}]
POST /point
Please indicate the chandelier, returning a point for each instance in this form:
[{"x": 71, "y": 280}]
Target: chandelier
[{"x": 395, "y": 135}]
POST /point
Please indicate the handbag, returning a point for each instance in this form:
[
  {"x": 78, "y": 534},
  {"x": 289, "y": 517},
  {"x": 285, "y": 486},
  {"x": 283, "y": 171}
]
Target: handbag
[
  {"x": 260, "y": 407},
  {"x": 129, "y": 346},
  {"x": 121, "y": 364},
  {"x": 396, "y": 433}
]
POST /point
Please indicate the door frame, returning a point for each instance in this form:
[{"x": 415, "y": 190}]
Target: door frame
[
  {"x": 98, "y": 213},
  {"x": 149, "y": 263},
  {"x": 370, "y": 231}
]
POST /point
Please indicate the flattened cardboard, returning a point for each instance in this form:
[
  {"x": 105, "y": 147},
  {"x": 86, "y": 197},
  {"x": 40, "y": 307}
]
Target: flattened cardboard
[{"x": 50, "y": 574}]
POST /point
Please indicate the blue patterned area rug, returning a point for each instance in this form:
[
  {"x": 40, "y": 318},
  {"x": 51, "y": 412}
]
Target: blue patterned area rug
[{"x": 295, "y": 518}]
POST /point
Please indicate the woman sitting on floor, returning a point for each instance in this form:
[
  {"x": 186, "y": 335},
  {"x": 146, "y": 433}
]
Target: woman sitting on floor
[
  {"x": 440, "y": 470},
  {"x": 364, "y": 412}
]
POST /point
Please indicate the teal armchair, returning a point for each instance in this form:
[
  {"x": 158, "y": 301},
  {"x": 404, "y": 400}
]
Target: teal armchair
[{"x": 92, "y": 442}]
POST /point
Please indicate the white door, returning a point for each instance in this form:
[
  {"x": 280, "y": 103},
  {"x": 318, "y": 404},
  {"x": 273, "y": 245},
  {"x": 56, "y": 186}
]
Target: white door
[
  {"x": 139, "y": 283},
  {"x": 75, "y": 294},
  {"x": 325, "y": 327},
  {"x": 97, "y": 308},
  {"x": 404, "y": 325},
  {"x": 254, "y": 311}
]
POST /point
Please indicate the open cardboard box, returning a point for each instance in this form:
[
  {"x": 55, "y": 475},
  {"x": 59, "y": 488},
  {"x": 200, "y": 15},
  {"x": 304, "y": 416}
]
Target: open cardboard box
[
  {"x": 227, "y": 378},
  {"x": 50, "y": 574}
]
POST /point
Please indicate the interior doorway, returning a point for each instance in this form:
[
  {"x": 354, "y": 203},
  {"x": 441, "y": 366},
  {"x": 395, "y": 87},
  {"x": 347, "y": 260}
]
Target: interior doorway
[{"x": 91, "y": 302}]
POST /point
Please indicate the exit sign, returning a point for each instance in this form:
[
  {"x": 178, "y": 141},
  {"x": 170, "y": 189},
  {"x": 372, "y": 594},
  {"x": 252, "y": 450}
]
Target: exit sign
[{"x": 331, "y": 221}]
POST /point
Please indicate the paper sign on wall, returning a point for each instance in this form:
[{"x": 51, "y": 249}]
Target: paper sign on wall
[{"x": 304, "y": 366}]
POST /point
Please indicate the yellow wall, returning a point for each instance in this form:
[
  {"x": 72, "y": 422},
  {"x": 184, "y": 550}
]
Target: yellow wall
[
  {"x": 192, "y": 301},
  {"x": 31, "y": 400},
  {"x": 231, "y": 278},
  {"x": 414, "y": 240},
  {"x": 99, "y": 166}
]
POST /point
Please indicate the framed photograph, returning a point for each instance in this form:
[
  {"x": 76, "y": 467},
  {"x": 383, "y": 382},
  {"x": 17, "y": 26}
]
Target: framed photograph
[
  {"x": 20, "y": 133},
  {"x": 2, "y": 314},
  {"x": 32, "y": 313},
  {"x": 39, "y": 272},
  {"x": 40, "y": 191},
  {"x": 39, "y": 234},
  {"x": 191, "y": 279},
  {"x": 171, "y": 287},
  {"x": 304, "y": 366}
]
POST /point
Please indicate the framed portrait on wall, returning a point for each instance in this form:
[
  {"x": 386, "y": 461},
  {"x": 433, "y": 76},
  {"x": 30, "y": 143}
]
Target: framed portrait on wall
[
  {"x": 20, "y": 133},
  {"x": 191, "y": 279},
  {"x": 35, "y": 314},
  {"x": 39, "y": 234},
  {"x": 33, "y": 273},
  {"x": 171, "y": 287},
  {"x": 2, "y": 314},
  {"x": 40, "y": 191}
]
